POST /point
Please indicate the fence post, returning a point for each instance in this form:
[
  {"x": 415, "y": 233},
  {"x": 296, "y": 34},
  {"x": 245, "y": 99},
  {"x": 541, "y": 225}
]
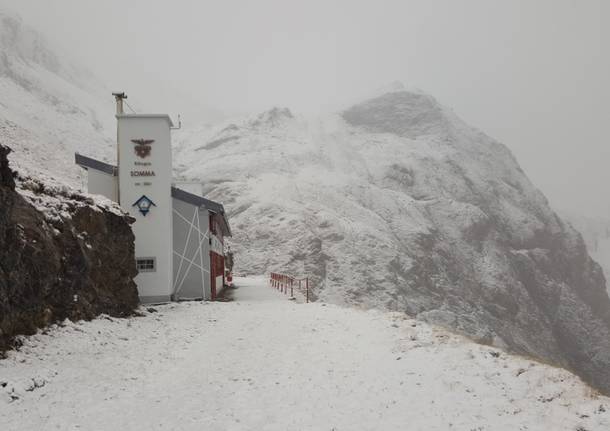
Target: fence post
[{"x": 282, "y": 282}]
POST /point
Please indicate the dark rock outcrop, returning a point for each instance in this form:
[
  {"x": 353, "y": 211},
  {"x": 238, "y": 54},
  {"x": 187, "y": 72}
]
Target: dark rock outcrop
[
  {"x": 61, "y": 256},
  {"x": 401, "y": 113}
]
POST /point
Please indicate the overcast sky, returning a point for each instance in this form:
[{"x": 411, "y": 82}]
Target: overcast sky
[{"x": 534, "y": 74}]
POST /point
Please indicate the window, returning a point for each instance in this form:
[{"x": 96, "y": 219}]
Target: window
[{"x": 146, "y": 264}]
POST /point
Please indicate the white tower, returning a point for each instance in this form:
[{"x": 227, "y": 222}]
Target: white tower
[{"x": 145, "y": 180}]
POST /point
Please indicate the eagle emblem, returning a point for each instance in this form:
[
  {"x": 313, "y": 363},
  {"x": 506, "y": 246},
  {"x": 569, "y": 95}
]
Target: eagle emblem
[{"x": 142, "y": 147}]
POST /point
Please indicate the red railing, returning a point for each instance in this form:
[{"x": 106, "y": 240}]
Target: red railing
[{"x": 287, "y": 283}]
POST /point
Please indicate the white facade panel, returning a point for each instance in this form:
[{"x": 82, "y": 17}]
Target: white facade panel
[
  {"x": 191, "y": 252},
  {"x": 101, "y": 183},
  {"x": 216, "y": 245},
  {"x": 145, "y": 175}
]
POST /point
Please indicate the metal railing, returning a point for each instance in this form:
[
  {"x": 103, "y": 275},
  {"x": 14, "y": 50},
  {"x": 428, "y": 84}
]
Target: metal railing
[{"x": 287, "y": 283}]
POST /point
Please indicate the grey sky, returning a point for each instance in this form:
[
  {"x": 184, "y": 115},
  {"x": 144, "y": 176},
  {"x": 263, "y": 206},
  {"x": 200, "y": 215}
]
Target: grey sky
[{"x": 534, "y": 73}]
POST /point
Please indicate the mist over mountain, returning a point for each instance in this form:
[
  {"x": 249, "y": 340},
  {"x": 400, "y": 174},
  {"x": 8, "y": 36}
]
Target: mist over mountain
[
  {"x": 596, "y": 234},
  {"x": 393, "y": 203},
  {"x": 397, "y": 204},
  {"x": 49, "y": 108}
]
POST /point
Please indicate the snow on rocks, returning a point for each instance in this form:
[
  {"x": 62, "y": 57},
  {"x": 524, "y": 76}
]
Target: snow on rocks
[
  {"x": 58, "y": 201},
  {"x": 264, "y": 362},
  {"x": 56, "y": 247}
]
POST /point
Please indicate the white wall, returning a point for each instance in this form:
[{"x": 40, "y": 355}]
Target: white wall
[
  {"x": 153, "y": 231},
  {"x": 217, "y": 246},
  {"x": 100, "y": 183},
  {"x": 191, "y": 252}
]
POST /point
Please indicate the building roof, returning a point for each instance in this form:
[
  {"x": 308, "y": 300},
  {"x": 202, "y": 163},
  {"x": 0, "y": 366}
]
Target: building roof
[
  {"x": 197, "y": 200},
  {"x": 89, "y": 163},
  {"x": 200, "y": 201}
]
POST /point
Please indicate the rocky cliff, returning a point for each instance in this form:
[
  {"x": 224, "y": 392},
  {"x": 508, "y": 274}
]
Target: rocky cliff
[
  {"x": 62, "y": 255},
  {"x": 397, "y": 204}
]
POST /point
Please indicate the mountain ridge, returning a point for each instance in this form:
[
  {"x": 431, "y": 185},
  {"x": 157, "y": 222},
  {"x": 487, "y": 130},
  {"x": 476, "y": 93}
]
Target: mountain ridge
[
  {"x": 397, "y": 204},
  {"x": 394, "y": 203}
]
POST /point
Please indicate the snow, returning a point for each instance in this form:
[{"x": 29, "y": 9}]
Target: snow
[
  {"x": 348, "y": 202},
  {"x": 341, "y": 202},
  {"x": 58, "y": 202},
  {"x": 249, "y": 290},
  {"x": 50, "y": 109},
  {"x": 267, "y": 363}
]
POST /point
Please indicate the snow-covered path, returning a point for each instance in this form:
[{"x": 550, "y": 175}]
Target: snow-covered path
[{"x": 263, "y": 362}]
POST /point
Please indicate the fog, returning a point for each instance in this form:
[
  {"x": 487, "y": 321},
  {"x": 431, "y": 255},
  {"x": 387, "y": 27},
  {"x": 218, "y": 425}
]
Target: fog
[{"x": 533, "y": 74}]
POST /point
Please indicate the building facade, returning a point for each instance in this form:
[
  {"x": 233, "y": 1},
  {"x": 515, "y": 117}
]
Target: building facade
[{"x": 179, "y": 236}]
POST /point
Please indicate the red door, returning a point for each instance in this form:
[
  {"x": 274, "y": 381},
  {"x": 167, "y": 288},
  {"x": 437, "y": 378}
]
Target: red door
[{"x": 217, "y": 273}]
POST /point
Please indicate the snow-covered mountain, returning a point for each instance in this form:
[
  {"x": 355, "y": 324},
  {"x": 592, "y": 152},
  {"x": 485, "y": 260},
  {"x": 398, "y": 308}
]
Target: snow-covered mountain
[
  {"x": 397, "y": 204},
  {"x": 394, "y": 203},
  {"x": 48, "y": 108},
  {"x": 596, "y": 233}
]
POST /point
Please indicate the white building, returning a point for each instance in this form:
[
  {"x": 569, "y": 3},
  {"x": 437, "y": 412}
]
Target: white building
[{"x": 179, "y": 236}]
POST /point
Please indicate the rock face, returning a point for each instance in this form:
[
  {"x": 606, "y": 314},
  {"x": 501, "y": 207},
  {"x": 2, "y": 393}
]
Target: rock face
[
  {"x": 61, "y": 256},
  {"x": 398, "y": 204},
  {"x": 596, "y": 234}
]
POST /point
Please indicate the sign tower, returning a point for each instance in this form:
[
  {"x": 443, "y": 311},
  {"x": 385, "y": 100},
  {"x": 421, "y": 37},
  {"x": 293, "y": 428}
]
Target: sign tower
[{"x": 145, "y": 181}]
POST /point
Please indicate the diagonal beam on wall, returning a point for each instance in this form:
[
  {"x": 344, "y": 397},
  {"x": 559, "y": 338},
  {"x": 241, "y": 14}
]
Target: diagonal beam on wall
[
  {"x": 186, "y": 243},
  {"x": 191, "y": 261},
  {"x": 204, "y": 238},
  {"x": 201, "y": 259}
]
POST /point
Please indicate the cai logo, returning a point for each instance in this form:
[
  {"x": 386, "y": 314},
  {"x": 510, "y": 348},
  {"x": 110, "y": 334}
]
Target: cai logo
[
  {"x": 142, "y": 147},
  {"x": 144, "y": 204}
]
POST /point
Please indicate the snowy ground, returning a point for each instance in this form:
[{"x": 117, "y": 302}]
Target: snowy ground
[{"x": 263, "y": 362}]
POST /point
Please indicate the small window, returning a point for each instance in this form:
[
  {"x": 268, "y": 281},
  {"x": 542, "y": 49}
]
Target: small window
[{"x": 146, "y": 264}]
